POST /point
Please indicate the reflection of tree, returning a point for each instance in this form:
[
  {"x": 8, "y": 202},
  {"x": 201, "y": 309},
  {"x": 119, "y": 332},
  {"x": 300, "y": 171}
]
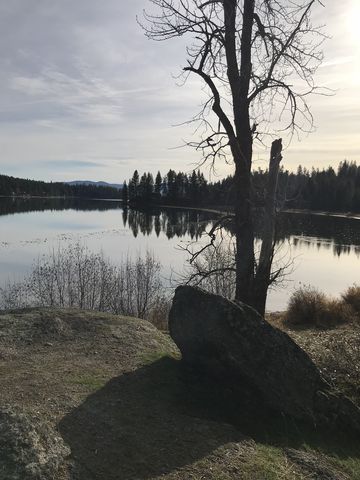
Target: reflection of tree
[
  {"x": 125, "y": 216},
  {"x": 342, "y": 235},
  {"x": 172, "y": 222},
  {"x": 325, "y": 244},
  {"x": 338, "y": 234},
  {"x": 157, "y": 225},
  {"x": 11, "y": 206},
  {"x": 343, "y": 231},
  {"x": 145, "y": 222},
  {"x": 133, "y": 222}
]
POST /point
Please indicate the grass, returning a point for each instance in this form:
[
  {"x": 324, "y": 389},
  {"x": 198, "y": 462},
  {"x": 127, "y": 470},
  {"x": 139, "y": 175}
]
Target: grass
[
  {"x": 273, "y": 436},
  {"x": 153, "y": 356},
  {"x": 308, "y": 307},
  {"x": 352, "y": 298},
  {"x": 134, "y": 408},
  {"x": 270, "y": 463},
  {"x": 91, "y": 381},
  {"x": 178, "y": 425}
]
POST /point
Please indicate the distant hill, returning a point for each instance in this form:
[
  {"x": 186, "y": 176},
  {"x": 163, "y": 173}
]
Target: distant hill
[
  {"x": 12, "y": 186},
  {"x": 118, "y": 186}
]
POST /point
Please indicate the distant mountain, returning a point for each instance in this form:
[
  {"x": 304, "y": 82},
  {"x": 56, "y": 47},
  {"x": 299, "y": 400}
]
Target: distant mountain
[
  {"x": 20, "y": 187},
  {"x": 119, "y": 186}
]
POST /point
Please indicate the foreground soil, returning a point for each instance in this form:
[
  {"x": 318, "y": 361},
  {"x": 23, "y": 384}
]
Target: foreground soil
[{"x": 114, "y": 389}]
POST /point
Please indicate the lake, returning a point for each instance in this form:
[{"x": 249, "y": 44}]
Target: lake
[{"x": 323, "y": 251}]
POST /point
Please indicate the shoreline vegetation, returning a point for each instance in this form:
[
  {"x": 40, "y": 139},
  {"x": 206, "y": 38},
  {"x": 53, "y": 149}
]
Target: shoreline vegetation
[
  {"x": 321, "y": 192},
  {"x": 324, "y": 190},
  {"x": 75, "y": 277},
  {"x": 215, "y": 210},
  {"x": 20, "y": 187}
]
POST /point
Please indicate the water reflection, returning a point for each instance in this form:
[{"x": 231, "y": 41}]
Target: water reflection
[
  {"x": 12, "y": 206},
  {"x": 172, "y": 222},
  {"x": 341, "y": 235}
]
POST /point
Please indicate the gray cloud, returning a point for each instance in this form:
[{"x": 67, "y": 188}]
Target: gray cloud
[
  {"x": 69, "y": 164},
  {"x": 80, "y": 81}
]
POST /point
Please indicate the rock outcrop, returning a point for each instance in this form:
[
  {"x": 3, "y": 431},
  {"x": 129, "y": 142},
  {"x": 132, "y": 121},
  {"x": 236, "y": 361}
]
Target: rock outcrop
[
  {"x": 231, "y": 340},
  {"x": 29, "y": 450}
]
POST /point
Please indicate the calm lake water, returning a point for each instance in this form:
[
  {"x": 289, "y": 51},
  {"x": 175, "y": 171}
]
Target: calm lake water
[{"x": 324, "y": 251}]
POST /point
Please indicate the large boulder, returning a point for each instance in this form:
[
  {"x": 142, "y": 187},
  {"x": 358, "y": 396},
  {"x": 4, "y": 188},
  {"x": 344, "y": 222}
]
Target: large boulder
[{"x": 231, "y": 340}]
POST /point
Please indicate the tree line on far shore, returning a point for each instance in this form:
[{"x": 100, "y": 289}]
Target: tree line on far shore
[
  {"x": 12, "y": 186},
  {"x": 329, "y": 189}
]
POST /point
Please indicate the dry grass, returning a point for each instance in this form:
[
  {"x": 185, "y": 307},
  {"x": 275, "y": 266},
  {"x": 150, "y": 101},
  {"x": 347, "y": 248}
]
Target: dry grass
[
  {"x": 308, "y": 307},
  {"x": 352, "y": 298},
  {"x": 114, "y": 390},
  {"x": 159, "y": 314}
]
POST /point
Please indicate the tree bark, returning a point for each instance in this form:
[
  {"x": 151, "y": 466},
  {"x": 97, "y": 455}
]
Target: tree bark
[
  {"x": 239, "y": 74},
  {"x": 262, "y": 278}
]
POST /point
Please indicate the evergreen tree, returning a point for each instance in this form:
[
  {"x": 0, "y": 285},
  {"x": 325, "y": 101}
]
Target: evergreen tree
[
  {"x": 149, "y": 185},
  {"x": 125, "y": 193},
  {"x": 158, "y": 182},
  {"x": 142, "y": 187}
]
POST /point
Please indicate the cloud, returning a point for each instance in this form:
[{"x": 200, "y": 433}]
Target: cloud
[
  {"x": 80, "y": 82},
  {"x": 69, "y": 164},
  {"x": 83, "y": 100}
]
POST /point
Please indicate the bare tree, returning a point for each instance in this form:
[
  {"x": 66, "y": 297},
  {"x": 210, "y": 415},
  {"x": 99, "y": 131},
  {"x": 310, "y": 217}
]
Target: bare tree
[
  {"x": 213, "y": 268},
  {"x": 78, "y": 278},
  {"x": 257, "y": 59}
]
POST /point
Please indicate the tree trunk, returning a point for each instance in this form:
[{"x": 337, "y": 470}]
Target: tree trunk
[
  {"x": 263, "y": 274},
  {"x": 239, "y": 74},
  {"x": 244, "y": 231}
]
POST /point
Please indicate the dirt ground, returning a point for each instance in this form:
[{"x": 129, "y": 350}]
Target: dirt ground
[{"x": 114, "y": 389}]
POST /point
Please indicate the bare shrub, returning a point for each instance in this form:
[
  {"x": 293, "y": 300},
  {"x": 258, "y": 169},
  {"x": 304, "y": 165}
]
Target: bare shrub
[
  {"x": 159, "y": 314},
  {"x": 137, "y": 288},
  {"x": 13, "y": 295},
  {"x": 77, "y": 278},
  {"x": 212, "y": 267},
  {"x": 335, "y": 313},
  {"x": 351, "y": 297},
  {"x": 308, "y": 307},
  {"x": 214, "y": 270}
]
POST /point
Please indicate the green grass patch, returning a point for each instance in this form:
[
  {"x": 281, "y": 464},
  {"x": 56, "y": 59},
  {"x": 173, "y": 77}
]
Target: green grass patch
[
  {"x": 92, "y": 381},
  {"x": 270, "y": 463},
  {"x": 146, "y": 358}
]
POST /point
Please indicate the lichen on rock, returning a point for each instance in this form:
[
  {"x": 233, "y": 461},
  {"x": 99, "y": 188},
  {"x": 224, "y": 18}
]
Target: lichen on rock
[{"x": 29, "y": 449}]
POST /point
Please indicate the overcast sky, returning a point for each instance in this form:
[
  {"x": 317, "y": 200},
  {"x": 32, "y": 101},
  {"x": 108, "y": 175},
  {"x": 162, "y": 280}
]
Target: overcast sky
[{"x": 84, "y": 95}]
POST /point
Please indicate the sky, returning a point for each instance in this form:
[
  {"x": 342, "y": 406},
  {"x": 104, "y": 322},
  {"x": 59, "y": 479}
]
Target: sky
[{"x": 85, "y": 95}]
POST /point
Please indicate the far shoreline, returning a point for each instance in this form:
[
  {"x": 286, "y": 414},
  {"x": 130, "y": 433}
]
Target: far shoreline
[
  {"x": 223, "y": 210},
  {"x": 227, "y": 211},
  {"x": 350, "y": 215},
  {"x": 58, "y": 197}
]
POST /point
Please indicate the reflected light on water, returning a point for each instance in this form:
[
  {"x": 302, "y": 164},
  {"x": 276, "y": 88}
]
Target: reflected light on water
[{"x": 321, "y": 251}]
